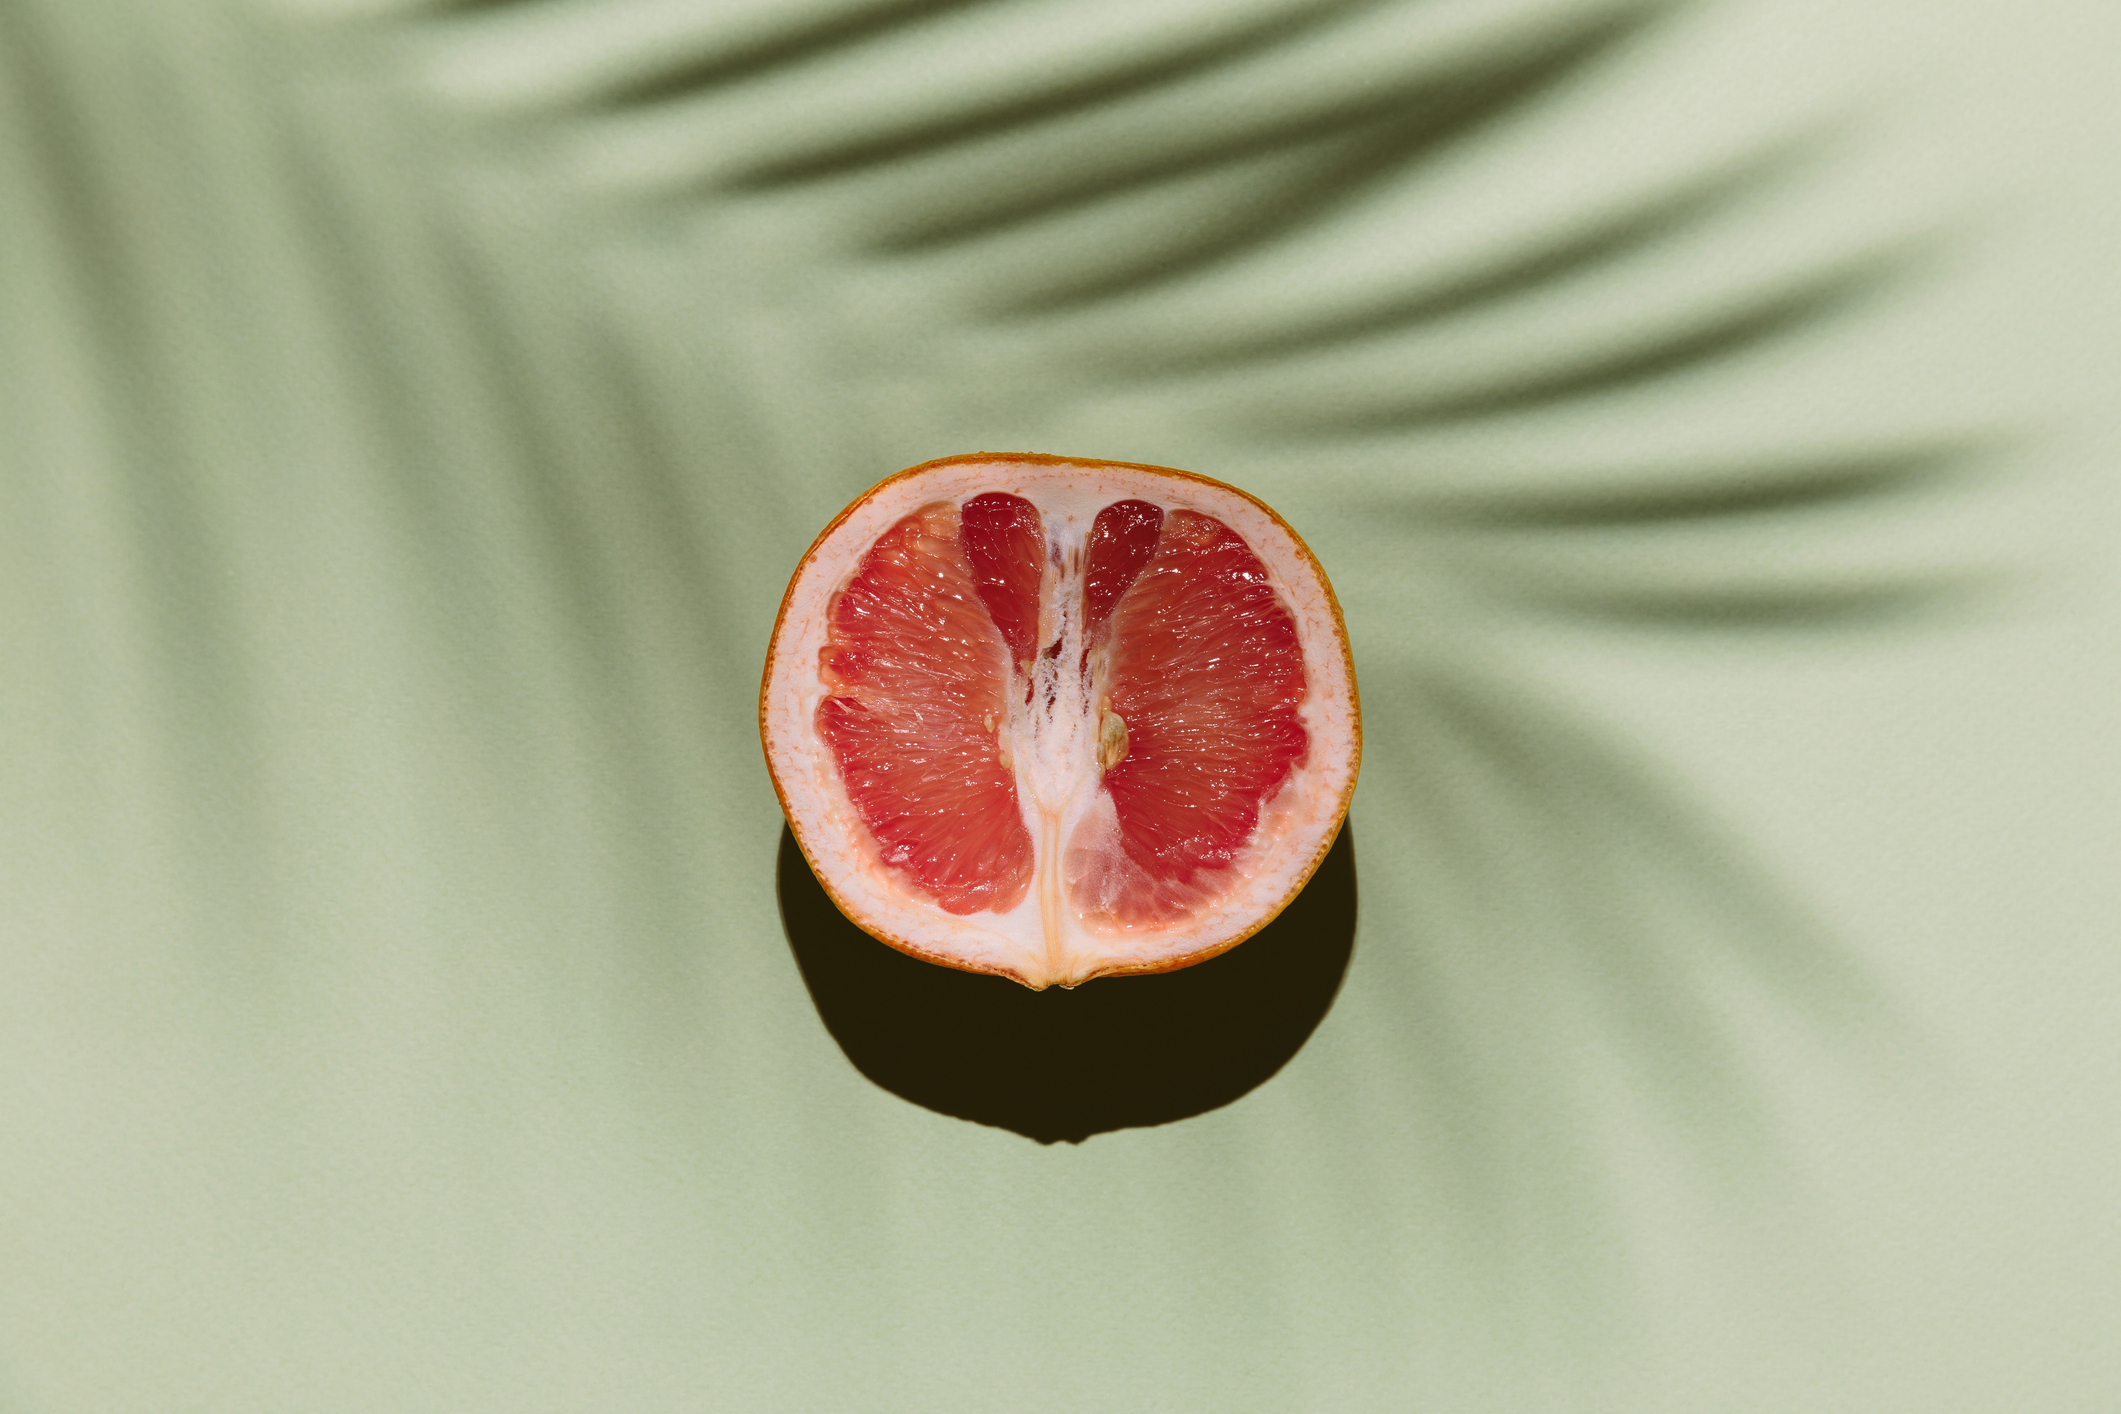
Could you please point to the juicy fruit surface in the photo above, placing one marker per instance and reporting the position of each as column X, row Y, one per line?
column 918, row 669
column 1003, row 540
column 973, row 670
column 1056, row 719
column 1203, row 667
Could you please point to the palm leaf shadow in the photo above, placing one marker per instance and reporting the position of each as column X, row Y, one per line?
column 1690, row 346
column 1553, row 898
column 1045, row 99
column 1564, row 911
column 1592, row 242
column 1521, row 545
column 1350, row 150
column 1497, row 784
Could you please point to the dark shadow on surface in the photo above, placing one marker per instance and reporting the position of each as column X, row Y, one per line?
column 1115, row 1053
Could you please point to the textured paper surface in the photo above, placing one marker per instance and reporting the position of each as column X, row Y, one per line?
column 409, row 416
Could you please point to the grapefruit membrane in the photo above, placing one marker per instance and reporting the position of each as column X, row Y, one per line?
column 1057, row 719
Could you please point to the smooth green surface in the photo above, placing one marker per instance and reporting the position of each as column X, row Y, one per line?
column 409, row 417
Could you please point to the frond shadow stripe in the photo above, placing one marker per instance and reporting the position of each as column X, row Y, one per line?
column 1569, row 816
column 1034, row 104
column 1782, row 943
column 1482, row 84
column 1662, row 216
column 802, row 42
column 1756, row 607
column 197, row 651
column 1780, row 313
column 1372, row 161
column 1713, row 493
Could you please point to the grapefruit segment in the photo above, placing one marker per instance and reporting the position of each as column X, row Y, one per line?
column 918, row 675
column 1202, row 679
column 1006, row 545
column 1058, row 719
column 1122, row 539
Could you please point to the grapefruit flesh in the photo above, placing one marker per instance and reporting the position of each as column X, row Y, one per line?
column 918, row 668
column 1203, row 672
column 1056, row 719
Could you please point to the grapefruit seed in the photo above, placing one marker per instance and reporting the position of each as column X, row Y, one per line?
column 1058, row 719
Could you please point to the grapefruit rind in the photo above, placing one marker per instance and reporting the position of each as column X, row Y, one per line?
column 1031, row 945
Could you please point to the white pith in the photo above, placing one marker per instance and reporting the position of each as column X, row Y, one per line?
column 1052, row 741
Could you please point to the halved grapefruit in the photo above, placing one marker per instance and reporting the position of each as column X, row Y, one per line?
column 1059, row 719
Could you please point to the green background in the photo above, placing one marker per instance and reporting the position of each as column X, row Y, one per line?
column 409, row 416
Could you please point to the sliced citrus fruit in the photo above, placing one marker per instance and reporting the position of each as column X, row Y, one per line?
column 1058, row 719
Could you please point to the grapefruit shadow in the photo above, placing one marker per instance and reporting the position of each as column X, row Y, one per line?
column 1115, row 1053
